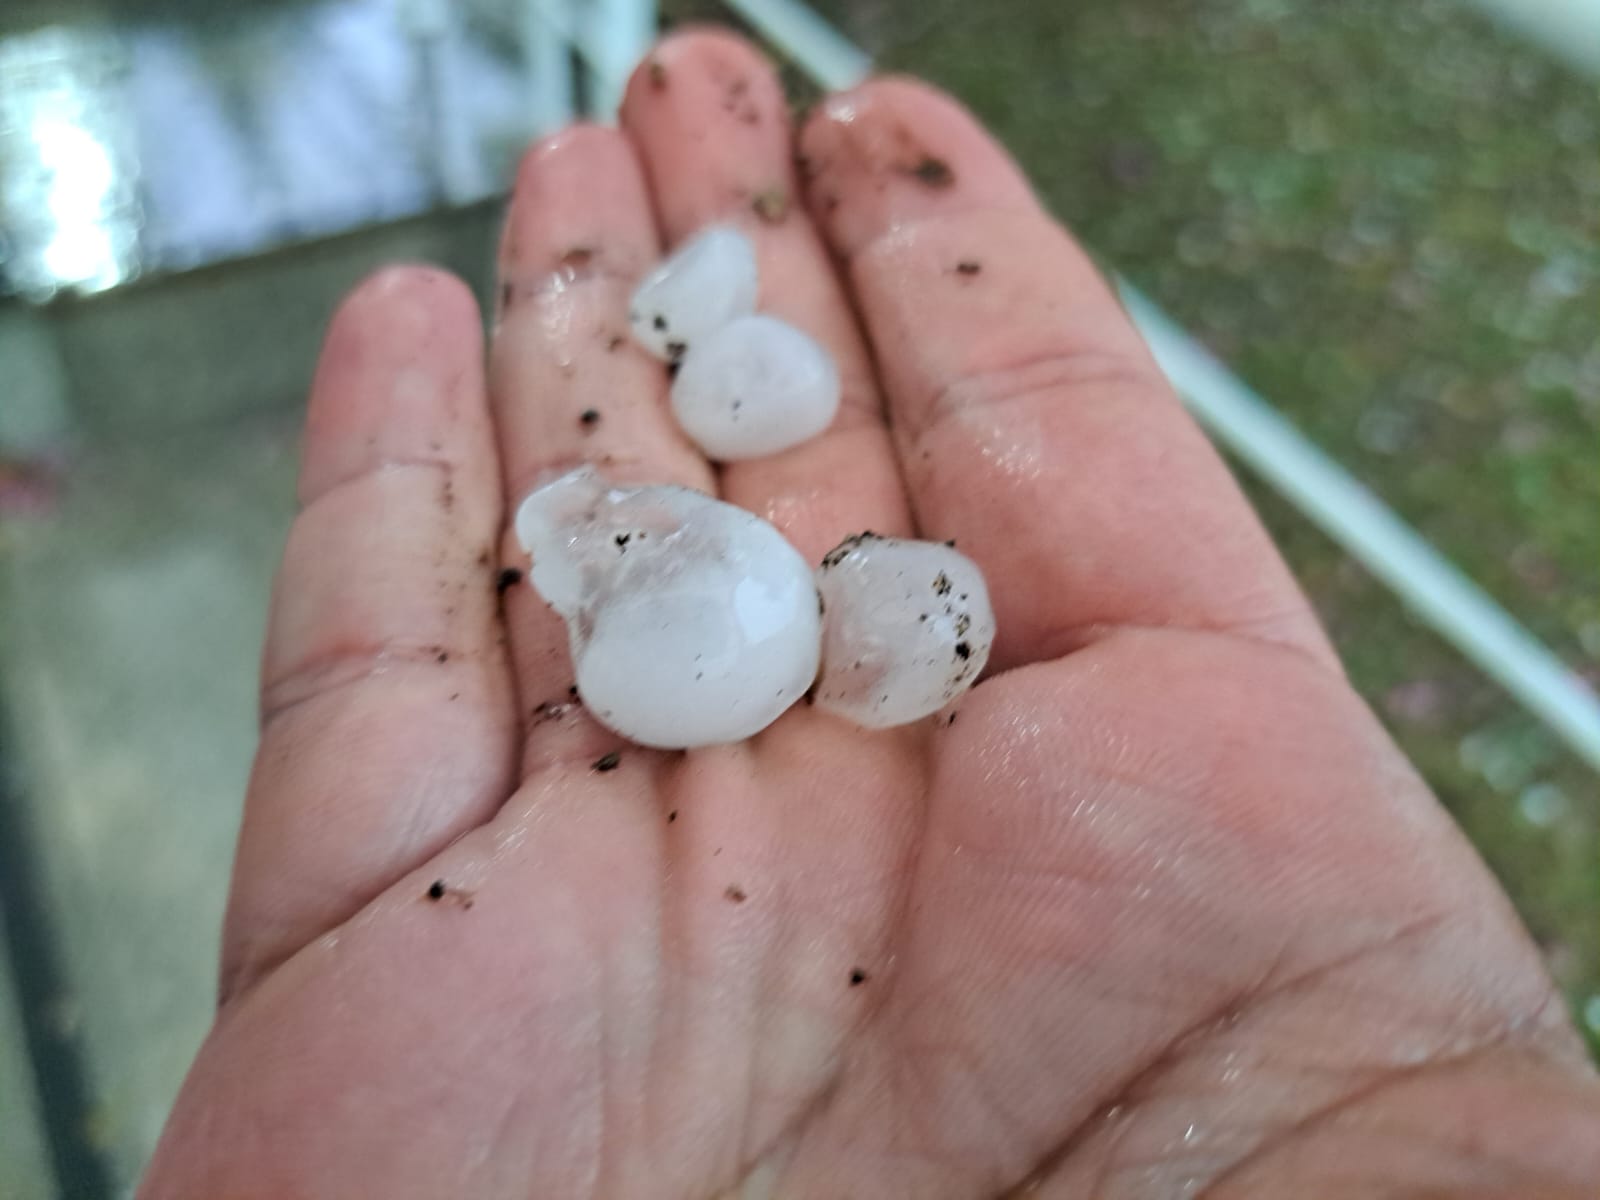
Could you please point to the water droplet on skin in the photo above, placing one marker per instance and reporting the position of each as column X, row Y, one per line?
column 882, row 663
column 704, row 631
column 754, row 387
column 710, row 280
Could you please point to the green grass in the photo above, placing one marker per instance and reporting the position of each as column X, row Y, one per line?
column 1383, row 217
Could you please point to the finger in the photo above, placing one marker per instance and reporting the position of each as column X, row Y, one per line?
column 709, row 118
column 1032, row 424
column 569, row 385
column 387, row 726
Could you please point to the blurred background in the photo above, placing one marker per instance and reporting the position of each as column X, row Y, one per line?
column 1385, row 218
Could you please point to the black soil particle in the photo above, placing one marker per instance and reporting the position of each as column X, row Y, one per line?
column 771, row 205
column 443, row 656
column 857, row 977
column 941, row 584
column 508, row 578
column 672, row 816
column 931, row 172
column 734, row 894
column 608, row 762
column 572, row 690
column 615, row 343
column 675, row 352
column 842, row 551
column 659, row 322
column 963, row 651
column 436, row 890
column 658, row 74
column 589, row 418
column 968, row 266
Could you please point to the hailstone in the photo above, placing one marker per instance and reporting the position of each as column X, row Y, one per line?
column 756, row 386
column 707, row 282
column 908, row 628
column 691, row 622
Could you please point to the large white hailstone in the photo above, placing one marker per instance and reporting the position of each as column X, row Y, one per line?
column 908, row 628
column 756, row 386
column 691, row 622
column 707, row 282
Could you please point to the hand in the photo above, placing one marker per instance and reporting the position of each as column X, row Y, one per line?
column 1161, row 912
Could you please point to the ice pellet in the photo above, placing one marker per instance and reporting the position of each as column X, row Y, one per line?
column 756, row 386
column 908, row 628
column 691, row 622
column 707, row 282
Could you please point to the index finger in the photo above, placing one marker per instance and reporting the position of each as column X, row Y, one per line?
column 1032, row 424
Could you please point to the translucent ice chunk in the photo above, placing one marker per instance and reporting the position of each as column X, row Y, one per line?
column 707, row 282
column 756, row 386
column 691, row 622
column 908, row 628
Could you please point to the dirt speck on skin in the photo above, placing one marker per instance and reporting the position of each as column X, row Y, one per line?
column 442, row 656
column 589, row 418
column 771, row 205
column 576, row 259
column 968, row 266
column 615, row 343
column 734, row 894
column 508, row 295
column 439, row 891
column 857, row 977
column 657, row 71
column 508, row 578
column 931, row 172
column 608, row 762
column 672, row 816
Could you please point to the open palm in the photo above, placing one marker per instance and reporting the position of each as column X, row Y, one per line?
column 1159, row 909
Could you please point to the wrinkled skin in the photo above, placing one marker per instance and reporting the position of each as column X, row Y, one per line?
column 1162, row 913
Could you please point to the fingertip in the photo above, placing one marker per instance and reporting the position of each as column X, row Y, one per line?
column 407, row 301
column 896, row 150
column 400, row 373
column 579, row 195
column 686, row 55
column 711, row 123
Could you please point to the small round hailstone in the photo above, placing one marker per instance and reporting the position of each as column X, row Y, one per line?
column 756, row 386
column 691, row 622
column 907, row 628
column 707, row 282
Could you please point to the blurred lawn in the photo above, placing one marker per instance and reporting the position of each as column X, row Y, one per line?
column 1384, row 217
